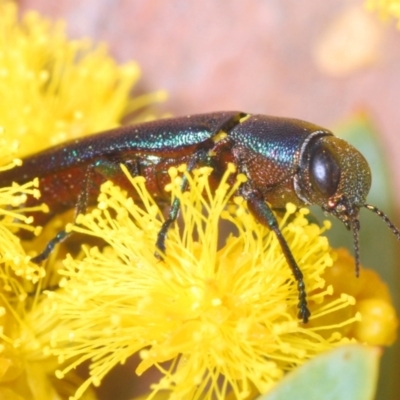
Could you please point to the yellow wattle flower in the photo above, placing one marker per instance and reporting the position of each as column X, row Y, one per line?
column 52, row 90
column 385, row 8
column 223, row 319
column 379, row 323
column 222, row 316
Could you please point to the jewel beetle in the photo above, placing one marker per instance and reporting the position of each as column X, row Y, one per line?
column 284, row 160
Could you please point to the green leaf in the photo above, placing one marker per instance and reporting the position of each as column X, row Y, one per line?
column 346, row 373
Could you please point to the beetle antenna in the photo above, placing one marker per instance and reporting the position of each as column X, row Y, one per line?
column 355, row 228
column 389, row 223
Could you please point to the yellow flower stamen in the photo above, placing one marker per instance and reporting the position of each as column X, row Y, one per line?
column 59, row 89
column 224, row 317
column 216, row 320
column 52, row 90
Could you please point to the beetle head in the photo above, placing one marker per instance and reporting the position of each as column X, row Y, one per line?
column 335, row 176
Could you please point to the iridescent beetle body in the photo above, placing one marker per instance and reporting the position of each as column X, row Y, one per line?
column 284, row 160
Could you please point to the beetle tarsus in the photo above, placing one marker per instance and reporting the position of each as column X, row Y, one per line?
column 304, row 313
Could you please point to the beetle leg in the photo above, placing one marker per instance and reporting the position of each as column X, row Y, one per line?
column 61, row 236
column 172, row 215
column 263, row 213
column 104, row 167
column 80, row 208
column 200, row 157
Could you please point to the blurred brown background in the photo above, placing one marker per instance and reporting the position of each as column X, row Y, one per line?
column 320, row 61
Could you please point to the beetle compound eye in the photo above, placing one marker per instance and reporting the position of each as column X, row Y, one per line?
column 324, row 172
